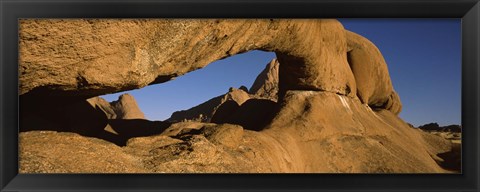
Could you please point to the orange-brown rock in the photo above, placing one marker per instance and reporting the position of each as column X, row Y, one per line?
column 374, row 86
column 126, row 107
column 53, row 152
column 100, row 56
column 204, row 112
column 265, row 85
column 393, row 103
column 336, row 111
column 104, row 105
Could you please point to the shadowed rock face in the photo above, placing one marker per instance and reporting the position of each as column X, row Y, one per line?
column 369, row 69
column 336, row 111
column 64, row 115
column 254, row 114
column 104, row 105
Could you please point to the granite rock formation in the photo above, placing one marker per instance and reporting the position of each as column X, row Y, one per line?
column 91, row 57
column 205, row 111
column 265, row 85
column 125, row 107
column 336, row 110
column 452, row 159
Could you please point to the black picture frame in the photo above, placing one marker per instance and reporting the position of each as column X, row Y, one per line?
column 11, row 11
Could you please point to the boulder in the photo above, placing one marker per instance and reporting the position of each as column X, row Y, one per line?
column 254, row 114
column 104, row 105
column 343, row 135
column 224, row 112
column 126, row 107
column 243, row 88
column 237, row 95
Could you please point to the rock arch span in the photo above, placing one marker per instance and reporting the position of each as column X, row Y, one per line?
column 90, row 57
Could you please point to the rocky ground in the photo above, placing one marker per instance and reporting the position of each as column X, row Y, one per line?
column 196, row 146
column 451, row 160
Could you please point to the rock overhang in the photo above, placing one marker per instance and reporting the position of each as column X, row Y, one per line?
column 91, row 57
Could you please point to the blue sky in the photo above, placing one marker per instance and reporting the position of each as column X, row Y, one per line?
column 423, row 58
column 159, row 101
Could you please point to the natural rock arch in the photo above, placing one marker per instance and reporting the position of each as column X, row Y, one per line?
column 90, row 57
column 330, row 79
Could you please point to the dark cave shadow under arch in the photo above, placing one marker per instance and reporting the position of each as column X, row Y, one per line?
column 79, row 116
